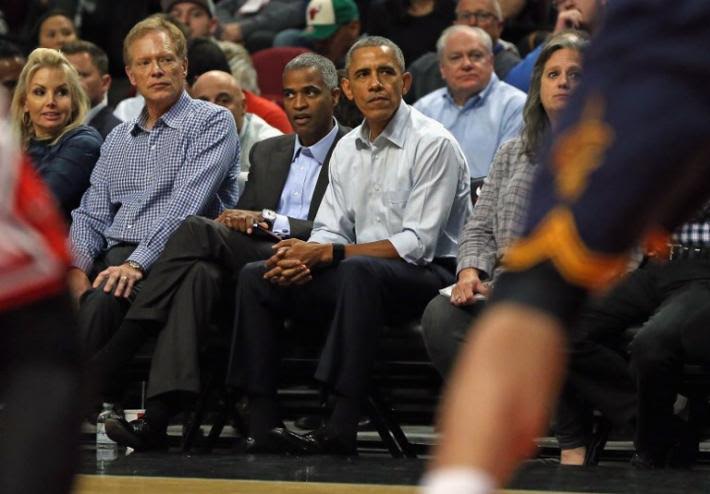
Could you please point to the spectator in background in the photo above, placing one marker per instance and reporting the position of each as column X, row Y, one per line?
column 584, row 15
column 486, row 14
column 498, row 218
column 222, row 89
column 480, row 110
column 332, row 27
column 179, row 158
column 205, row 55
column 48, row 111
column 255, row 24
column 11, row 62
column 54, row 29
column 414, row 25
column 199, row 17
column 91, row 63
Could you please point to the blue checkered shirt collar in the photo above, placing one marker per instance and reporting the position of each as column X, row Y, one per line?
column 174, row 117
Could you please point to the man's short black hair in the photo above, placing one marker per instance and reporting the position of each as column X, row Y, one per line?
column 204, row 55
column 98, row 55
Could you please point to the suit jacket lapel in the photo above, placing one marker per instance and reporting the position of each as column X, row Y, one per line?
column 281, row 164
column 322, row 182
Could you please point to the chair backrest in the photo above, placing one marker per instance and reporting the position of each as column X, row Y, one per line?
column 269, row 65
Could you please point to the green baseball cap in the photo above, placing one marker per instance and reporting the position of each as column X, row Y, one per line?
column 325, row 17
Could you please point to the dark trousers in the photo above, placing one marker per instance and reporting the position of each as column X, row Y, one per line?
column 362, row 294
column 40, row 387
column 184, row 294
column 100, row 314
column 444, row 328
column 670, row 304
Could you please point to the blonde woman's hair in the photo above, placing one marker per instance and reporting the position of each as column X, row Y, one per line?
column 52, row 59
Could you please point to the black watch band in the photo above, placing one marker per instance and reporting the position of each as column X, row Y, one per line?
column 338, row 254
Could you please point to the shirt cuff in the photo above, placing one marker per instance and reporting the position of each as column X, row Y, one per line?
column 83, row 262
column 483, row 264
column 281, row 226
column 409, row 247
column 144, row 256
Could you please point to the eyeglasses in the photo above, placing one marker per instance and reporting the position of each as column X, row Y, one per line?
column 480, row 16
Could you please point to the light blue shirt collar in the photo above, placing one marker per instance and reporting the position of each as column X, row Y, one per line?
column 320, row 149
column 172, row 118
column 477, row 98
column 395, row 130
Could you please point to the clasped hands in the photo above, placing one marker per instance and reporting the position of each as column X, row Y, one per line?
column 293, row 261
column 467, row 286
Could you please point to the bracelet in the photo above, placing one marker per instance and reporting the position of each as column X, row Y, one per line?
column 136, row 266
column 338, row 254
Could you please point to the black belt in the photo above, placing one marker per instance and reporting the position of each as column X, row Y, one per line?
column 680, row 251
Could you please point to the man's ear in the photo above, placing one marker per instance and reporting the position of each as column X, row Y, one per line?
column 335, row 94
column 346, row 88
column 129, row 73
column 407, row 80
column 213, row 25
column 105, row 82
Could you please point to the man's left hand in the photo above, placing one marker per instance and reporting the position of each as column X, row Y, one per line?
column 293, row 261
column 123, row 278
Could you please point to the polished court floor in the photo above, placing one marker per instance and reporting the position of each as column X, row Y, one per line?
column 224, row 471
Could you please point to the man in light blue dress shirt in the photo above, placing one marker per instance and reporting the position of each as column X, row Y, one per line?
column 478, row 109
column 384, row 242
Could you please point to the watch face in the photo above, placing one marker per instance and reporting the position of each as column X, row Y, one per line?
column 269, row 215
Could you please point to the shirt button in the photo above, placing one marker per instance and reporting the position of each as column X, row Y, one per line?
column 131, row 226
column 152, row 146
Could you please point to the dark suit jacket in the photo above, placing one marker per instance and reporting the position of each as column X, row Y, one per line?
column 104, row 121
column 270, row 163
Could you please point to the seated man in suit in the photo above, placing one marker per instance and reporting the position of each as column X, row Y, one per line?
column 91, row 62
column 383, row 242
column 289, row 175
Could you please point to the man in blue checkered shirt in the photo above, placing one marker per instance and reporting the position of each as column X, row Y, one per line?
column 180, row 157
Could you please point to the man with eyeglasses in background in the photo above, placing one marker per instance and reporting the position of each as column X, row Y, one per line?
column 479, row 109
column 485, row 14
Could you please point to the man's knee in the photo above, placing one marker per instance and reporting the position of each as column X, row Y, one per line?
column 649, row 352
column 434, row 327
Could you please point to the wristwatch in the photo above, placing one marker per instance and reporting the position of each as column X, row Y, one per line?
column 269, row 216
column 338, row 254
column 136, row 266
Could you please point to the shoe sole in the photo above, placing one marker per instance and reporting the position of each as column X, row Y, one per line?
column 116, row 431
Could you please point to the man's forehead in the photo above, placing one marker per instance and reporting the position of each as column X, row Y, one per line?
column 373, row 55
column 154, row 40
column 463, row 41
column 470, row 5
column 188, row 5
column 302, row 76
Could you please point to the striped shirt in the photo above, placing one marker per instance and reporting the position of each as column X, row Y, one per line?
column 147, row 181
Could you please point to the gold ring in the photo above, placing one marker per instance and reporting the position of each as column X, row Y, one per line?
column 124, row 278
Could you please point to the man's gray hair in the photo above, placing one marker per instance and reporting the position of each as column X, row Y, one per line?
column 375, row 41
column 482, row 36
column 319, row 62
column 497, row 10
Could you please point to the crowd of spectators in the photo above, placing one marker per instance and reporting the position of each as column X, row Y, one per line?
column 197, row 193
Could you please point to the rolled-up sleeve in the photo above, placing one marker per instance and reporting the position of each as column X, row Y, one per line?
column 436, row 175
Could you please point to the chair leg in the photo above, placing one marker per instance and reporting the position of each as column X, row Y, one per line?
column 380, row 424
column 393, row 426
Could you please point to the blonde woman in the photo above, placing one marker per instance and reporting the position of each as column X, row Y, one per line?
column 48, row 109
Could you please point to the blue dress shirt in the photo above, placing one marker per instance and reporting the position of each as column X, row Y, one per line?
column 302, row 177
column 482, row 124
column 147, row 181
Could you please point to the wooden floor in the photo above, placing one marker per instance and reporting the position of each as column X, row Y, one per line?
column 109, row 484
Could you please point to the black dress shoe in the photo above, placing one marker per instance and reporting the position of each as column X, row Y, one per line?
column 278, row 441
column 597, row 441
column 321, row 442
column 136, row 434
